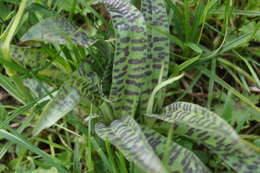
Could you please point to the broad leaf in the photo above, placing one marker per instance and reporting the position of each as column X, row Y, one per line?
column 127, row 136
column 209, row 129
column 65, row 100
column 107, row 77
column 155, row 14
column 57, row 30
column 38, row 89
column 37, row 60
column 179, row 158
column 83, row 83
column 29, row 57
column 130, row 68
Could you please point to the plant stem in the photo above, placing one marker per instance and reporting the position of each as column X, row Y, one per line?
column 107, row 112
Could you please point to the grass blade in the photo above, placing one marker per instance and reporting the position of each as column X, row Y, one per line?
column 229, row 88
column 16, row 138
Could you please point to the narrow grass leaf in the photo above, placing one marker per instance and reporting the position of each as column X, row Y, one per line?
column 239, row 12
column 161, row 85
column 20, row 141
column 8, row 85
column 229, row 88
column 236, row 42
column 194, row 47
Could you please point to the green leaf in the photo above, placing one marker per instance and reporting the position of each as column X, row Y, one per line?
column 130, row 68
column 127, row 136
column 29, row 57
column 41, row 170
column 194, row 47
column 65, row 101
column 82, row 84
column 155, row 15
column 231, row 44
column 180, row 159
column 17, row 139
column 8, row 84
column 209, row 129
column 237, row 112
column 240, row 12
column 163, row 84
column 37, row 88
column 229, row 88
column 251, row 26
column 33, row 58
column 57, row 30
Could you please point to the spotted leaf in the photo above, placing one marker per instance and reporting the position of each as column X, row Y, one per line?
column 127, row 136
column 38, row 89
column 130, row 67
column 28, row 57
column 57, row 30
column 82, row 84
column 155, row 15
column 179, row 158
column 37, row 59
column 65, row 100
column 209, row 129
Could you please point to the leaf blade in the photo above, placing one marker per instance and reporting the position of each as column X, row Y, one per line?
column 17, row 139
column 82, row 84
column 178, row 155
column 127, row 136
column 208, row 128
column 130, row 68
column 58, row 30
column 155, row 15
column 65, row 100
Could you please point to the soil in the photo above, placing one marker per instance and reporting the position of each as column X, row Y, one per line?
column 6, row 99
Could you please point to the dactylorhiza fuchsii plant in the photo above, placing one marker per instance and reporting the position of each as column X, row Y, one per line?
column 138, row 72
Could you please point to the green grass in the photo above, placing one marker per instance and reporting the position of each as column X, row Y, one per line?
column 215, row 44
